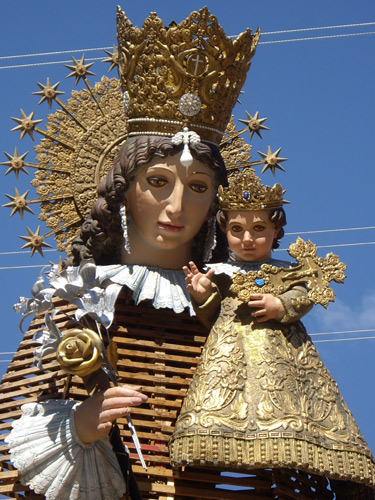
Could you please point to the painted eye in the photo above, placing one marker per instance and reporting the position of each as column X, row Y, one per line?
column 236, row 229
column 199, row 188
column 259, row 228
column 156, row 181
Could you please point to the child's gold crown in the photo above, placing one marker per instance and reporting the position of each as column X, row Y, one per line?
column 185, row 75
column 246, row 192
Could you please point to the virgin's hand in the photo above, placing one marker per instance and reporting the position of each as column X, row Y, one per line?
column 197, row 283
column 93, row 418
column 266, row 307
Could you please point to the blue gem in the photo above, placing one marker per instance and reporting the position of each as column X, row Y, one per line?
column 246, row 195
column 259, row 282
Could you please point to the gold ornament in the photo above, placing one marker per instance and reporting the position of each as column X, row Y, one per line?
column 34, row 241
column 79, row 69
column 26, row 124
column 255, row 124
column 82, row 138
column 313, row 271
column 246, row 192
column 48, row 92
column 234, row 151
column 18, row 203
column 186, row 75
column 78, row 148
column 80, row 352
column 16, row 163
column 272, row 160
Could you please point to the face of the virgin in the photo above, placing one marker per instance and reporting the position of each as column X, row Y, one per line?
column 250, row 235
column 168, row 203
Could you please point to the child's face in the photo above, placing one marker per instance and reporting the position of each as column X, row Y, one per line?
column 250, row 235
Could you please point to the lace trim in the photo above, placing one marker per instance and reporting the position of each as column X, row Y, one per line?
column 166, row 288
column 51, row 459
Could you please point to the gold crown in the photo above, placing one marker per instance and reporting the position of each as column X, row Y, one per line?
column 185, row 75
column 245, row 191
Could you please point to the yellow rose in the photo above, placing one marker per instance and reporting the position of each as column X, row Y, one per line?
column 80, row 352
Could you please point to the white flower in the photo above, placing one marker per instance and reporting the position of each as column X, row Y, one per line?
column 98, row 303
column 49, row 338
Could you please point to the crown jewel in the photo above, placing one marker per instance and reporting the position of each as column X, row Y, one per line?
column 185, row 75
column 245, row 191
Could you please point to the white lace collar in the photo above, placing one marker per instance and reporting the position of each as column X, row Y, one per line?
column 164, row 287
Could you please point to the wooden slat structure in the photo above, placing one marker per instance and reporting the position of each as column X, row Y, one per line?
column 158, row 350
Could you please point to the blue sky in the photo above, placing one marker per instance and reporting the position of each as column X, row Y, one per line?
column 319, row 99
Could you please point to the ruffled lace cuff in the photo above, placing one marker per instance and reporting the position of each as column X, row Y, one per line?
column 53, row 461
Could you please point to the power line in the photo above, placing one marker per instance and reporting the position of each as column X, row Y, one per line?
column 14, row 66
column 21, row 267
column 339, row 332
column 331, row 230
column 315, row 342
column 333, row 245
column 278, row 32
column 47, row 63
column 343, row 340
column 41, row 54
column 23, row 252
column 315, row 38
column 339, row 26
column 296, row 233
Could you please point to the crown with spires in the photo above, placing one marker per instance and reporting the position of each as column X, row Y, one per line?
column 245, row 191
column 184, row 76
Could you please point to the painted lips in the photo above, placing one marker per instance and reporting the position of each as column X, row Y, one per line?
column 173, row 228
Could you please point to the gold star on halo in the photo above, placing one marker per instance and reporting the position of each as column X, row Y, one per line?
column 80, row 69
column 34, row 241
column 15, row 163
column 113, row 59
column 271, row 160
column 254, row 124
column 26, row 124
column 18, row 203
column 48, row 92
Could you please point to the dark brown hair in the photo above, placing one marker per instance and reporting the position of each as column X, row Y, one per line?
column 101, row 236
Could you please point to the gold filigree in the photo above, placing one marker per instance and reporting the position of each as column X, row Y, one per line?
column 287, row 402
column 316, row 272
column 235, row 153
column 298, row 393
column 79, row 146
column 245, row 191
column 193, row 60
column 215, row 396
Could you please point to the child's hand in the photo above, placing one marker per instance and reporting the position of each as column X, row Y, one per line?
column 93, row 418
column 266, row 306
column 198, row 284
